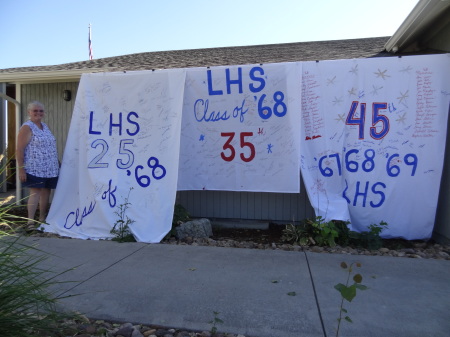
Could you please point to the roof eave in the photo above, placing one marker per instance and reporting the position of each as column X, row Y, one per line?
column 45, row 76
column 418, row 20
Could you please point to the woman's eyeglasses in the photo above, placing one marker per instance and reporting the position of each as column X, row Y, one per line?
column 36, row 110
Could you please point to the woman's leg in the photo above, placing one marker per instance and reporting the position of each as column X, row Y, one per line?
column 33, row 201
column 43, row 203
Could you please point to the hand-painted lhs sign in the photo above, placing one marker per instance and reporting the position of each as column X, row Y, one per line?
column 240, row 129
column 122, row 152
column 368, row 135
column 373, row 135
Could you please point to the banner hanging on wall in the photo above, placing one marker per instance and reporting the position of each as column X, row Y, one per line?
column 120, row 164
column 240, row 129
column 373, row 135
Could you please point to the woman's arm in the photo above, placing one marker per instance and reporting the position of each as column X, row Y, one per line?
column 23, row 138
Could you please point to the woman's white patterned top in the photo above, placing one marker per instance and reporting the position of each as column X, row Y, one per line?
column 41, row 155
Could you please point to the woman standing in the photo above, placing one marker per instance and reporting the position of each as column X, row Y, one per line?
column 37, row 161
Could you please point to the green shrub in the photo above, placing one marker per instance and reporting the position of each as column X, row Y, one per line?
column 324, row 233
column 295, row 234
column 369, row 239
column 27, row 305
column 121, row 228
column 316, row 232
column 180, row 215
column 343, row 238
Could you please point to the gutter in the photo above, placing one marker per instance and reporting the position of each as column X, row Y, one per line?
column 423, row 14
column 46, row 76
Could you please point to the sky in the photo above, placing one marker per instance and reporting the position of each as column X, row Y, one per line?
column 51, row 32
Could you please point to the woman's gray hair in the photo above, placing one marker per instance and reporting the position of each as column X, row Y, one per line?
column 31, row 105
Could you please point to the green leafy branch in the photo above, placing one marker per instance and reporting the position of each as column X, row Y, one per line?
column 214, row 323
column 348, row 292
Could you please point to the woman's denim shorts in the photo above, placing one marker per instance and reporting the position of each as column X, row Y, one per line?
column 38, row 182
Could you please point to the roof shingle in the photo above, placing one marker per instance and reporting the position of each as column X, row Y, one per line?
column 271, row 53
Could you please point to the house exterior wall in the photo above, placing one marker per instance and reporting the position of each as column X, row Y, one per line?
column 273, row 207
column 442, row 40
column 58, row 112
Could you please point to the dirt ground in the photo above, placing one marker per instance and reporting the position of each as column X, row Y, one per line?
column 270, row 235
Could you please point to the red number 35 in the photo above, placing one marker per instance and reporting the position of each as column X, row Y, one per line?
column 228, row 146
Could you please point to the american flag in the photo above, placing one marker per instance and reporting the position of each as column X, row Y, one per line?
column 91, row 54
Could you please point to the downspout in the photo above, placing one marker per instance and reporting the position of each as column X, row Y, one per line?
column 17, row 115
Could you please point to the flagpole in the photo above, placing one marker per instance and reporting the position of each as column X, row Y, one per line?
column 91, row 54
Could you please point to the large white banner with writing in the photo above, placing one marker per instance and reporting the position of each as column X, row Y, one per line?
column 240, row 128
column 121, row 156
column 373, row 137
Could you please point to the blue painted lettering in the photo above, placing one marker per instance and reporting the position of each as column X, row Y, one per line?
column 110, row 194
column 92, row 132
column 363, row 194
column 344, row 194
column 117, row 125
column 201, row 112
column 257, row 79
column 211, row 91
column 136, row 124
column 229, row 81
column 239, row 111
column 382, row 195
column 74, row 218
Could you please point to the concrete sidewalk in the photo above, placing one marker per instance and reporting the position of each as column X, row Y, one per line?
column 182, row 287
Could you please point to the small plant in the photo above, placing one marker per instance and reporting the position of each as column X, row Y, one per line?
column 180, row 215
column 121, row 228
column 324, row 233
column 343, row 238
column 295, row 234
column 214, row 323
column 314, row 232
column 370, row 239
column 348, row 292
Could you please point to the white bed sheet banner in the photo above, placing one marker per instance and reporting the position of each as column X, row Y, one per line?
column 373, row 139
column 122, row 153
column 240, row 129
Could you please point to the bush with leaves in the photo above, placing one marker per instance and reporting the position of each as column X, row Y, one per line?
column 316, row 232
column 180, row 215
column 27, row 306
column 370, row 239
column 321, row 233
